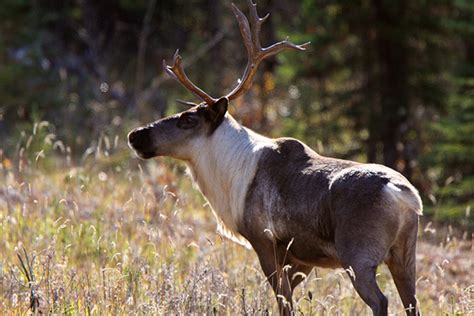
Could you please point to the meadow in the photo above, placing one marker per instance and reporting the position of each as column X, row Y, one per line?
column 111, row 234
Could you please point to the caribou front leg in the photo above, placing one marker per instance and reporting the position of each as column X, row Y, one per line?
column 282, row 274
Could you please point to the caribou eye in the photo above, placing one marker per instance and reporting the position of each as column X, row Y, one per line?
column 187, row 121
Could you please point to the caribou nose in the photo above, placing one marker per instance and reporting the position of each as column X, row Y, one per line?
column 132, row 136
column 140, row 139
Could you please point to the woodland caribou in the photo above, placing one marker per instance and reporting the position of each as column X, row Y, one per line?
column 296, row 208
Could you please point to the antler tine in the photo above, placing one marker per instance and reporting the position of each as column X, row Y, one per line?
column 256, row 53
column 177, row 72
column 278, row 47
column 256, row 22
column 187, row 103
column 245, row 31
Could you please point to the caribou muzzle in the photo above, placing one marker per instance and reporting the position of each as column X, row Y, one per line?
column 140, row 140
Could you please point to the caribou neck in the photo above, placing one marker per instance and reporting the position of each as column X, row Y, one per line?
column 223, row 166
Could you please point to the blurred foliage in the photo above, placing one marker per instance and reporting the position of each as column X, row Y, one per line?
column 383, row 81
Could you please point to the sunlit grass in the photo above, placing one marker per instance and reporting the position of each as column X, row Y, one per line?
column 117, row 235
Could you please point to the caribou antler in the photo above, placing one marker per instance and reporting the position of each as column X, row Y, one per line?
column 256, row 53
column 177, row 72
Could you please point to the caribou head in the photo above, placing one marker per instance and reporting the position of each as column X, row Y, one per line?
column 177, row 135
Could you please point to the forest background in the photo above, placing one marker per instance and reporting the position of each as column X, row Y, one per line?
column 390, row 82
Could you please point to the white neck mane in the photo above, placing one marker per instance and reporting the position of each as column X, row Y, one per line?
column 223, row 166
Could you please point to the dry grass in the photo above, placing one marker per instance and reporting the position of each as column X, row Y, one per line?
column 109, row 237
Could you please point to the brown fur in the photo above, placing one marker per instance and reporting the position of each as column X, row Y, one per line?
column 334, row 213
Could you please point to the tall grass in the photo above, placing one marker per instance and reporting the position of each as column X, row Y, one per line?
column 114, row 235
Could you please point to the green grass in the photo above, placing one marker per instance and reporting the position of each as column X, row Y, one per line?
column 114, row 235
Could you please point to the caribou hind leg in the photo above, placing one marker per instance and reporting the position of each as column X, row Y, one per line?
column 360, row 255
column 362, row 275
column 402, row 265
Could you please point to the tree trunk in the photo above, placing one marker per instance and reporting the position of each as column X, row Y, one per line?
column 393, row 77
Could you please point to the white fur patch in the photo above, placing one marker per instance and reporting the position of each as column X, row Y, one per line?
column 393, row 187
column 409, row 199
column 223, row 166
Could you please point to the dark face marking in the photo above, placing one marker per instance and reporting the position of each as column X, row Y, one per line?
column 187, row 120
column 172, row 135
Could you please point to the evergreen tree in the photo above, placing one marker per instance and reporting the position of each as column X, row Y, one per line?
column 379, row 65
column 450, row 161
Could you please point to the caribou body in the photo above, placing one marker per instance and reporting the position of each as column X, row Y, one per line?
column 295, row 208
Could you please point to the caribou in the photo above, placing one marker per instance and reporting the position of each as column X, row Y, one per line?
column 297, row 209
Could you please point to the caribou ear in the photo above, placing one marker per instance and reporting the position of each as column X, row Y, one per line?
column 220, row 107
column 217, row 112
